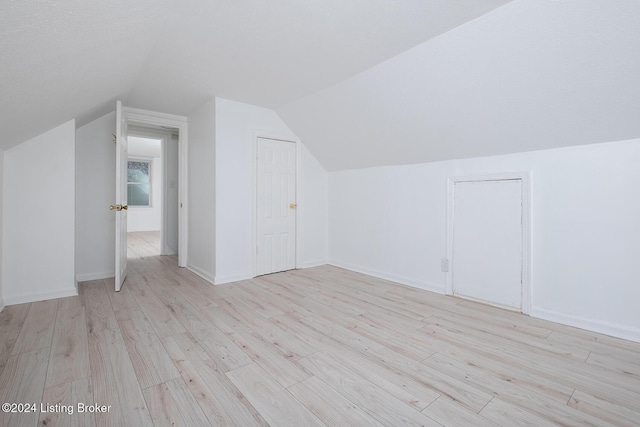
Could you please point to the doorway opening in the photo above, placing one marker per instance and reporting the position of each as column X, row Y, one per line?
column 149, row 122
column 152, row 192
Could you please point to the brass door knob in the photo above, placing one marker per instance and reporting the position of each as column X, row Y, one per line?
column 293, row 205
column 118, row 207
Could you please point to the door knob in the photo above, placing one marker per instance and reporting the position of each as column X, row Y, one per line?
column 118, row 207
column 293, row 205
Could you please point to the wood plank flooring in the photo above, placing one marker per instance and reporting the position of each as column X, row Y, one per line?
column 321, row 346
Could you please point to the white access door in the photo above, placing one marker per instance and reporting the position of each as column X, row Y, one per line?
column 275, row 206
column 121, row 207
column 487, row 241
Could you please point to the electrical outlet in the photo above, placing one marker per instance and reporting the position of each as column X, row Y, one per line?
column 444, row 265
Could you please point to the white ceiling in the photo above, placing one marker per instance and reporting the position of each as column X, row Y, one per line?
column 361, row 82
column 531, row 75
column 64, row 59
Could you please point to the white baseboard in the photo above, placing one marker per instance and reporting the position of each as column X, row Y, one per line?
column 41, row 296
column 420, row 284
column 602, row 327
column 94, row 276
column 309, row 264
column 229, row 279
column 199, row 272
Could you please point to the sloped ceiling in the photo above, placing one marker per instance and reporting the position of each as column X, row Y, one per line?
column 530, row 75
column 64, row 59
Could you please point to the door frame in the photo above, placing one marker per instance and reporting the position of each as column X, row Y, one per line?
column 254, row 193
column 142, row 118
column 525, row 180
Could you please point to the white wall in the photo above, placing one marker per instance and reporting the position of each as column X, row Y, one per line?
column 1, row 222
column 95, row 191
column 313, row 211
column 237, row 125
column 147, row 218
column 201, row 243
column 39, row 219
column 172, row 182
column 391, row 222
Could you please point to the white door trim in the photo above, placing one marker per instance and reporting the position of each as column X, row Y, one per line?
column 143, row 117
column 525, row 179
column 254, row 191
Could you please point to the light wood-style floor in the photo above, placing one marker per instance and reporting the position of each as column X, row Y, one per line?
column 321, row 346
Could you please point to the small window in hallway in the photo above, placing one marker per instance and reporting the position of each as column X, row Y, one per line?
column 139, row 183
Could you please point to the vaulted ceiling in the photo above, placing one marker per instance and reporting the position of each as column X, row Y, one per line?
column 64, row 59
column 361, row 82
column 531, row 75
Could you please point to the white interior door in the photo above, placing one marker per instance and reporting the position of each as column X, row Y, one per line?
column 487, row 241
column 121, row 207
column 276, row 206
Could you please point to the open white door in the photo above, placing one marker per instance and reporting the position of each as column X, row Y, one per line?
column 121, row 196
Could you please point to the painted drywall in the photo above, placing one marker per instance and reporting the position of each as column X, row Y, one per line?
column 147, row 218
column 391, row 222
column 313, row 212
column 237, row 126
column 38, row 217
column 527, row 76
column 95, row 191
column 171, row 193
column 201, row 242
column 1, row 221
